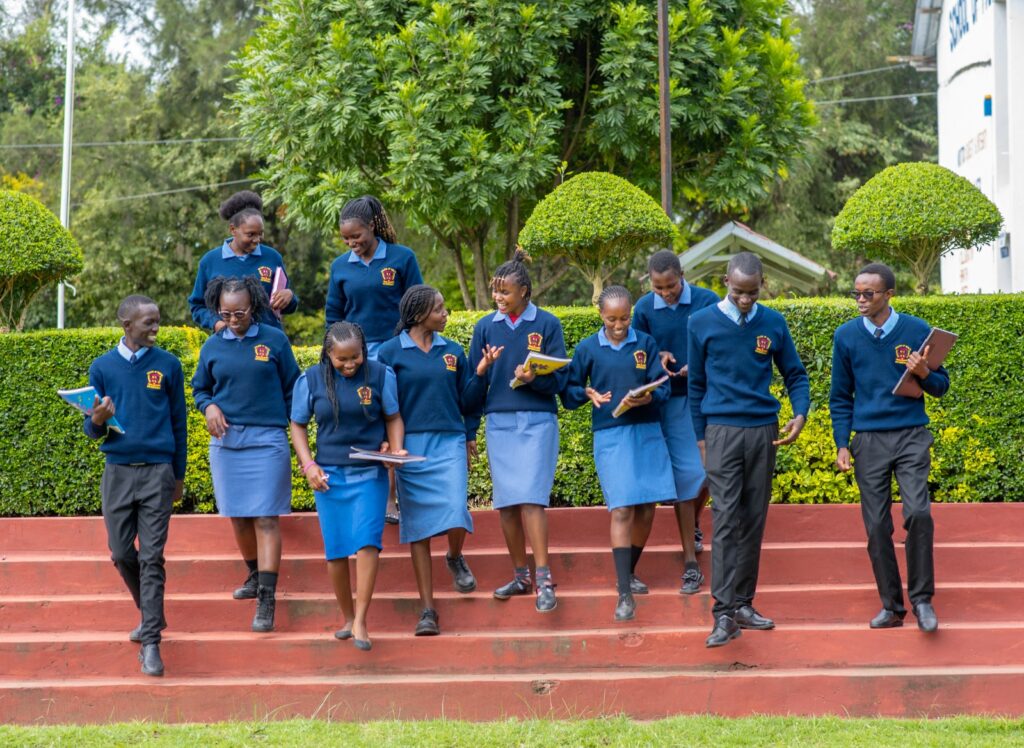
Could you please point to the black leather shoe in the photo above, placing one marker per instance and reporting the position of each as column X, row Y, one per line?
column 725, row 630
column 518, row 586
column 149, row 656
column 692, row 580
column 748, row 618
column 927, row 621
column 637, row 587
column 625, row 609
column 461, row 575
column 263, row 621
column 135, row 635
column 698, row 541
column 428, row 625
column 248, row 590
column 886, row 619
column 546, row 601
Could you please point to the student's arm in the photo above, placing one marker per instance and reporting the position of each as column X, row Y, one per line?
column 655, row 371
column 202, row 394
column 696, row 383
column 95, row 425
column 797, row 385
column 935, row 383
column 394, row 426
column 334, row 310
column 840, row 402
column 472, row 391
column 301, row 414
column 413, row 276
column 552, row 384
column 292, row 305
column 476, row 357
column 288, row 371
column 179, row 426
column 575, row 392
column 197, row 303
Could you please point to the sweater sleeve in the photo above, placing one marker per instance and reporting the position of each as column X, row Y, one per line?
column 289, row 371
column 179, row 422
column 575, row 392
column 936, row 384
column 294, row 303
column 553, row 384
column 197, row 303
column 413, row 276
column 334, row 310
column 840, row 398
column 202, row 383
column 472, row 391
column 654, row 371
column 696, row 382
column 640, row 321
column 473, row 409
column 91, row 429
column 794, row 375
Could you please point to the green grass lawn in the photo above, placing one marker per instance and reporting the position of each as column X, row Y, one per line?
column 683, row 731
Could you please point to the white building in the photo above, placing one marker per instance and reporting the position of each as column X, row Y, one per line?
column 976, row 48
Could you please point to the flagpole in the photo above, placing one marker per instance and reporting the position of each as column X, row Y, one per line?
column 65, row 172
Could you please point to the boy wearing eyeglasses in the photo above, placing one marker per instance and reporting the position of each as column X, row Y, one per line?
column 869, row 356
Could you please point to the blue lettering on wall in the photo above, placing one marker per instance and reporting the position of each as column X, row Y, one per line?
column 960, row 21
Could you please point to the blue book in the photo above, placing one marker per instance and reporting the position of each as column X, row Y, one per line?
column 83, row 399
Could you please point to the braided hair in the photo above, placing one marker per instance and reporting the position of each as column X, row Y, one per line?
column 240, row 206
column 368, row 210
column 515, row 270
column 611, row 293
column 259, row 303
column 339, row 332
column 415, row 306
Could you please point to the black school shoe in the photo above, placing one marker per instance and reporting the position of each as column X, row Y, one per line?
column 462, row 577
column 927, row 621
column 263, row 621
column 248, row 590
column 725, row 630
column 692, row 580
column 886, row 619
column 135, row 635
column 698, row 540
column 748, row 618
column 625, row 608
column 516, row 587
column 149, row 656
column 428, row 625
column 637, row 587
column 546, row 601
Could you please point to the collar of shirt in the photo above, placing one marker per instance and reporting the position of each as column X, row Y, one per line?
column 226, row 253
column 603, row 339
column 887, row 326
column 529, row 314
column 252, row 332
column 685, row 298
column 733, row 312
column 378, row 254
column 406, row 341
column 127, row 353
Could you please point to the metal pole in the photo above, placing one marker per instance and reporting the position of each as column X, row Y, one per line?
column 65, row 172
column 664, row 109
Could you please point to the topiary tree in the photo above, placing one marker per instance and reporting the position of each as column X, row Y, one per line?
column 35, row 250
column 912, row 214
column 596, row 221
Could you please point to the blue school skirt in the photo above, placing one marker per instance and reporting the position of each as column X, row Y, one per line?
column 251, row 469
column 351, row 510
column 432, row 493
column 522, row 449
column 677, row 426
column 633, row 465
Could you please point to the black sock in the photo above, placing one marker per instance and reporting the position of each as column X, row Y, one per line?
column 252, row 564
column 691, row 565
column 268, row 580
column 622, row 575
column 634, row 556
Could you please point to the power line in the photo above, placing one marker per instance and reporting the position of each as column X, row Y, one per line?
column 877, row 98
column 857, row 73
column 109, row 143
column 145, row 195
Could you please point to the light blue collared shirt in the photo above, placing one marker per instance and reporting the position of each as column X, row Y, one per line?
column 406, row 341
column 603, row 339
column 252, row 332
column 685, row 298
column 226, row 253
column 378, row 254
column 733, row 312
column 127, row 353
column 529, row 314
column 887, row 326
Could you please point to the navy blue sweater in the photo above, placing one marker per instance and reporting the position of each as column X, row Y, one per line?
column 213, row 264
column 730, row 371
column 249, row 379
column 668, row 327
column 149, row 402
column 543, row 334
column 360, row 422
column 864, row 371
column 369, row 294
column 437, row 391
column 616, row 371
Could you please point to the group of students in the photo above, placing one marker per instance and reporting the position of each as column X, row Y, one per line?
column 387, row 380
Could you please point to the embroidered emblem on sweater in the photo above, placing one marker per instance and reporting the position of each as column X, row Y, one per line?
column 641, row 359
column 266, row 274
column 262, row 352
column 387, row 276
column 533, row 341
column 365, row 395
column 451, row 362
column 762, row 345
column 154, row 379
column 902, row 354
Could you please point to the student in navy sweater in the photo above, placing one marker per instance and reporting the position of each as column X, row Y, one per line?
column 869, row 356
column 732, row 347
column 436, row 389
column 630, row 454
column 664, row 313
column 355, row 403
column 145, row 466
column 242, row 254
column 522, row 423
column 243, row 385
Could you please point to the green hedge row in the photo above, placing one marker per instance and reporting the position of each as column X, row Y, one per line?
column 48, row 466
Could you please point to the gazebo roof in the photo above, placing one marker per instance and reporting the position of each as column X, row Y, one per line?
column 713, row 253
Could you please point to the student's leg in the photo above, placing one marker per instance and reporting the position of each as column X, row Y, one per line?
column 872, row 469
column 337, row 570
column 456, row 541
column 759, row 468
column 155, row 492
column 535, row 522
column 391, row 513
column 621, row 534
column 268, row 543
column 244, row 529
column 367, row 562
column 911, row 466
column 120, row 518
column 686, row 521
column 512, row 529
column 420, row 551
column 723, row 448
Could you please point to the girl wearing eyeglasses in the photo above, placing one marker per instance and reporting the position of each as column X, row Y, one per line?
column 243, row 385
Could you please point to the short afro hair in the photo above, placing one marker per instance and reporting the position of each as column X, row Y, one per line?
column 883, row 271
column 664, row 260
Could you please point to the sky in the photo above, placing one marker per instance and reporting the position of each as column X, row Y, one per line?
column 120, row 44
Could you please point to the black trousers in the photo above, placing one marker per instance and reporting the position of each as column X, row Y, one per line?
column 137, row 502
column 740, row 463
column 878, row 456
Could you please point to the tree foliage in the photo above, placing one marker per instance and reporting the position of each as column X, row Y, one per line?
column 597, row 221
column 912, row 214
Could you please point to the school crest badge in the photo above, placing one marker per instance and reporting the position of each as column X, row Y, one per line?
column 902, row 354
column 451, row 362
column 387, row 276
column 533, row 341
column 365, row 395
column 262, row 352
column 641, row 359
column 762, row 345
column 154, row 380
column 266, row 274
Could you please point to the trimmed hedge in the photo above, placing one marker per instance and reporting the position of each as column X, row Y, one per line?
column 48, row 466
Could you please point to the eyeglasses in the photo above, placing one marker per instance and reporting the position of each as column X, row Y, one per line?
column 868, row 295
column 234, row 315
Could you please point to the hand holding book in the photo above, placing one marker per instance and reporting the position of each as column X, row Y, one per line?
column 638, row 396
